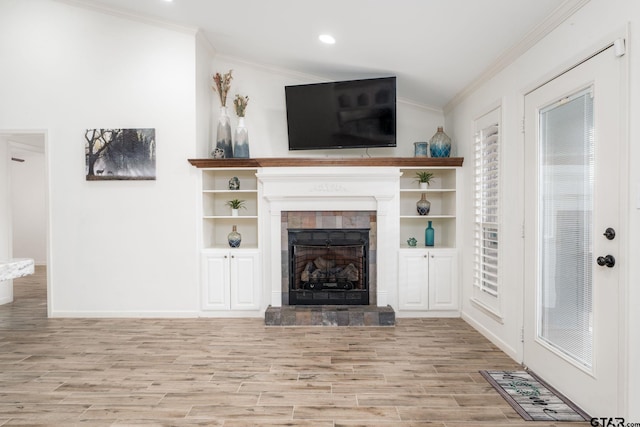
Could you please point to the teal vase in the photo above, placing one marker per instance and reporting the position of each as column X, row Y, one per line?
column 440, row 144
column 429, row 235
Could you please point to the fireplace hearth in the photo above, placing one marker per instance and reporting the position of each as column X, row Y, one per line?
column 328, row 266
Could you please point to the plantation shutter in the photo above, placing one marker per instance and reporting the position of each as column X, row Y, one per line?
column 487, row 206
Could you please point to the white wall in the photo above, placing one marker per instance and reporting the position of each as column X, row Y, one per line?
column 28, row 205
column 266, row 117
column 598, row 21
column 117, row 247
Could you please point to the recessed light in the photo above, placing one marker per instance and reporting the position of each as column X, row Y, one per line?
column 327, row 38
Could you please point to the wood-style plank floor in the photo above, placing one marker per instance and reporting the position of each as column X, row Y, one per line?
column 237, row 372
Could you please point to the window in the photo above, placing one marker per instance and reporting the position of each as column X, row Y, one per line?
column 487, row 210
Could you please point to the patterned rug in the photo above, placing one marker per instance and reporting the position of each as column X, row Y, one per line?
column 532, row 398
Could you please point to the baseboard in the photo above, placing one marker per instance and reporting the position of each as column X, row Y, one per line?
column 510, row 351
column 126, row 314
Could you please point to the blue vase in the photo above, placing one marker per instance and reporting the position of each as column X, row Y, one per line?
column 234, row 238
column 429, row 235
column 423, row 206
column 440, row 144
column 241, row 142
column 420, row 149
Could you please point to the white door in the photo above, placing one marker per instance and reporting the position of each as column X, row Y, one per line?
column 572, row 155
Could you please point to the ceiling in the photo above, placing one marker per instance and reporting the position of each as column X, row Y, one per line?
column 436, row 48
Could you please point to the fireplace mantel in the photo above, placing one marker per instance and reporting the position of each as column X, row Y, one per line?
column 327, row 161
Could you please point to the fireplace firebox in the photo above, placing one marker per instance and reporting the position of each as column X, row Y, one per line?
column 329, row 266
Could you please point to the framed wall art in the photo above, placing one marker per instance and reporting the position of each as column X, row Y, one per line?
column 120, row 154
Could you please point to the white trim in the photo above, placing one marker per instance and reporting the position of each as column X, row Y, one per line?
column 502, row 345
column 489, row 311
column 131, row 16
column 128, row 314
column 557, row 17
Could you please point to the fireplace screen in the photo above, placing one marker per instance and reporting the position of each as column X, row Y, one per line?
column 328, row 266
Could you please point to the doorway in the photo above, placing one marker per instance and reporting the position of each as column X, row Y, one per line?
column 25, row 213
column 572, row 214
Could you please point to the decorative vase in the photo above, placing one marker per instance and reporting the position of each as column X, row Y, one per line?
column 234, row 183
column 424, row 185
column 440, row 144
column 234, row 212
column 420, row 149
column 423, row 205
column 223, row 148
column 429, row 235
column 412, row 241
column 241, row 143
column 234, row 238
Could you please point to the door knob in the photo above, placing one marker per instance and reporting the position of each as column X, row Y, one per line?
column 608, row 261
column 609, row 233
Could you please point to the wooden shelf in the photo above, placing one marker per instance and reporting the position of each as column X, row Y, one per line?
column 327, row 161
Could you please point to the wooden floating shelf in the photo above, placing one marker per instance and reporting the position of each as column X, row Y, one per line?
column 266, row 162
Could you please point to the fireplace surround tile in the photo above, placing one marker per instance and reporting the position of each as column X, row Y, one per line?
column 328, row 219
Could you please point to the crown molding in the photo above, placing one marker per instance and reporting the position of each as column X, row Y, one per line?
column 202, row 39
column 557, row 17
column 132, row 16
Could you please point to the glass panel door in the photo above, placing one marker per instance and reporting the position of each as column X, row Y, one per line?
column 566, row 173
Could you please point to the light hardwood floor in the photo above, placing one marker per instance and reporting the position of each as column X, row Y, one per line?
column 237, row 372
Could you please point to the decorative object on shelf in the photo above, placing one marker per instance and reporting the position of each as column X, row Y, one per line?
column 421, row 149
column 223, row 131
column 235, row 205
column 241, row 142
column 429, row 235
column 412, row 241
column 234, row 183
column 440, row 144
column 234, row 238
column 423, row 206
column 424, row 178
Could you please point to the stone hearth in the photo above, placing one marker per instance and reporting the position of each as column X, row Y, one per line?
column 330, row 315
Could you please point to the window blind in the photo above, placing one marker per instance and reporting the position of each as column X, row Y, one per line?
column 487, row 209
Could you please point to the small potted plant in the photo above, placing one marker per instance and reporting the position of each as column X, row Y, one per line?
column 424, row 178
column 235, row 205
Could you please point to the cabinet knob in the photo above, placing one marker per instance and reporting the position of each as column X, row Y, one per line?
column 425, row 255
column 233, row 256
column 225, row 257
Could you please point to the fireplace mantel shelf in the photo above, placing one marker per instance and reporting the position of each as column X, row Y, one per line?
column 327, row 161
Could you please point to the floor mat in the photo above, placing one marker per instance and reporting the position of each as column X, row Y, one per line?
column 532, row 398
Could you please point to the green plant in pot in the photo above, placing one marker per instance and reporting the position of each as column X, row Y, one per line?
column 235, row 204
column 424, row 178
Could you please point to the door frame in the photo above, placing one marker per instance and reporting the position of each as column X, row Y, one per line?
column 8, row 133
column 625, row 200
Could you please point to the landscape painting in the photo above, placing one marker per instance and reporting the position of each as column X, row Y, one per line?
column 120, row 154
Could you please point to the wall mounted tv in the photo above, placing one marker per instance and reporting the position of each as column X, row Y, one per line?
column 344, row 114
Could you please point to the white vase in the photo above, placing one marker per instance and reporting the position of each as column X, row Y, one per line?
column 234, row 212
column 424, row 185
column 223, row 148
column 241, row 142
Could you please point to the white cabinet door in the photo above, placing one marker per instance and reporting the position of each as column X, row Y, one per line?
column 413, row 280
column 245, row 289
column 215, row 281
column 231, row 280
column 443, row 280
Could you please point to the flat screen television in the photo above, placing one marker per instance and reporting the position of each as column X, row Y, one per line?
column 344, row 114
